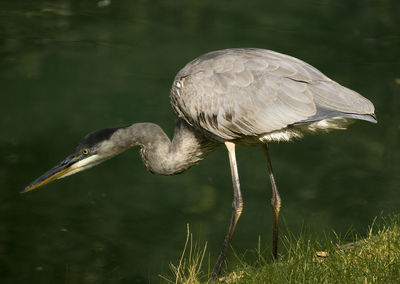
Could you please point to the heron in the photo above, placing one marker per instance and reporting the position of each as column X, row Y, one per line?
column 231, row 97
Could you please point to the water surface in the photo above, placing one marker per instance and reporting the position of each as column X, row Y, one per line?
column 71, row 67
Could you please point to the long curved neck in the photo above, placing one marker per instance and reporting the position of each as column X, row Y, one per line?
column 159, row 154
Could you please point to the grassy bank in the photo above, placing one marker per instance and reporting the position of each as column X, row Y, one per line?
column 374, row 258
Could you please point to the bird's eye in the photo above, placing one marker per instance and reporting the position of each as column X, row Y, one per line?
column 85, row 151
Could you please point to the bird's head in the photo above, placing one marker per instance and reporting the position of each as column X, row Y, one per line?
column 92, row 150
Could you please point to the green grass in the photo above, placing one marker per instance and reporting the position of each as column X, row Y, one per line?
column 374, row 258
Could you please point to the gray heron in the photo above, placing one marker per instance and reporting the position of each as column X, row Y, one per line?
column 241, row 96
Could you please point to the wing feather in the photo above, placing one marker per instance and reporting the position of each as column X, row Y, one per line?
column 249, row 92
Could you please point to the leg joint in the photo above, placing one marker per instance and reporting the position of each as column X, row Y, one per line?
column 276, row 202
column 237, row 206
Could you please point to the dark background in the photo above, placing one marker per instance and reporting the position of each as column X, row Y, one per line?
column 68, row 68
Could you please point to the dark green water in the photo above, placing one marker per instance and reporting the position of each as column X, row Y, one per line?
column 71, row 67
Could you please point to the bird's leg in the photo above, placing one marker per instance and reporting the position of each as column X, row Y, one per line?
column 275, row 203
column 237, row 206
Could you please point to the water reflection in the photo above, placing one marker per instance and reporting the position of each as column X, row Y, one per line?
column 71, row 67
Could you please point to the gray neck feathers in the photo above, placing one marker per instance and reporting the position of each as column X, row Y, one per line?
column 159, row 154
